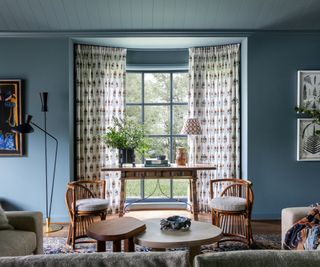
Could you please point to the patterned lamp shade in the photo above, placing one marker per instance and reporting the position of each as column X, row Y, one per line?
column 191, row 127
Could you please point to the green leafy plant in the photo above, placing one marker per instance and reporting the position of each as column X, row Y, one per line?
column 312, row 113
column 126, row 134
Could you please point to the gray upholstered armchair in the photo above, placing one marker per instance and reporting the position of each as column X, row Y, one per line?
column 26, row 237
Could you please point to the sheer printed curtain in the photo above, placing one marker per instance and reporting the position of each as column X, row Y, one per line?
column 100, row 97
column 214, row 99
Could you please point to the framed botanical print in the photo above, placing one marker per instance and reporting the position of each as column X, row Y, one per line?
column 309, row 89
column 308, row 140
column 10, row 116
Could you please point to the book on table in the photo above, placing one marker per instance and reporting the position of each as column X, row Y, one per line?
column 156, row 163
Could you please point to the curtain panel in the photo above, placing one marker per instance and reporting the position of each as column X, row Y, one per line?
column 100, row 97
column 214, row 99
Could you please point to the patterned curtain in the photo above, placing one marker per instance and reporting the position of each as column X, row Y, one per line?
column 100, row 96
column 214, row 100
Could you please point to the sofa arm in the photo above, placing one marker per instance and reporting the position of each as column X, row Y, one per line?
column 289, row 216
column 28, row 221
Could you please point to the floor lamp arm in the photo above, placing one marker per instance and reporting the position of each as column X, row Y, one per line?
column 54, row 164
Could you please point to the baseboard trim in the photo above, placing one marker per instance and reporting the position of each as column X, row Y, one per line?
column 157, row 206
column 58, row 219
column 266, row 216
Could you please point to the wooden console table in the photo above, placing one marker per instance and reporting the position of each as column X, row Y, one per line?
column 173, row 172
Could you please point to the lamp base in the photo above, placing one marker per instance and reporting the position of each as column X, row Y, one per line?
column 50, row 228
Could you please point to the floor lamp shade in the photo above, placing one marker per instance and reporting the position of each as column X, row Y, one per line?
column 24, row 127
column 192, row 128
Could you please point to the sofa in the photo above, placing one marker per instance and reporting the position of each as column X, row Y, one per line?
column 259, row 258
column 26, row 237
column 289, row 216
column 248, row 258
column 117, row 259
column 265, row 258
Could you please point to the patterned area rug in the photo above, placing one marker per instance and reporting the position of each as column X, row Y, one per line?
column 57, row 245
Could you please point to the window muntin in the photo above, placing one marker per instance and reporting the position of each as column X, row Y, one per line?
column 159, row 101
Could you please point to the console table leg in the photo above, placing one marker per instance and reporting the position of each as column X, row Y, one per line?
column 122, row 196
column 129, row 245
column 117, row 246
column 194, row 196
column 101, row 246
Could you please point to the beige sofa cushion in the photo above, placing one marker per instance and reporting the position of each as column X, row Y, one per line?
column 150, row 259
column 260, row 258
column 4, row 220
column 17, row 243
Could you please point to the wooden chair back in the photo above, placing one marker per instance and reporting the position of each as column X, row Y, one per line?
column 83, row 190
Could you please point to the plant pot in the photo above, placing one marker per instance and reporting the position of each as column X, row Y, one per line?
column 127, row 156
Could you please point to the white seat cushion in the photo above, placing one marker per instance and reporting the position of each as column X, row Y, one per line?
column 91, row 204
column 228, row 203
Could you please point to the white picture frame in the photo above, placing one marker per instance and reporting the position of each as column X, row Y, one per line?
column 309, row 89
column 308, row 144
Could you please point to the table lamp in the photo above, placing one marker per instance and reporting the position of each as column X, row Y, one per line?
column 27, row 128
column 192, row 128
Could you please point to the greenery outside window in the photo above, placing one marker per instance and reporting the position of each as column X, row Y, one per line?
column 159, row 101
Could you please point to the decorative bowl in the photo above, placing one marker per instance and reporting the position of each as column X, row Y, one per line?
column 175, row 223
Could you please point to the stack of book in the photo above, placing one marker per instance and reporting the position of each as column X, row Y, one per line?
column 156, row 163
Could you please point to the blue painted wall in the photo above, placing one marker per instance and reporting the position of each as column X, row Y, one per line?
column 273, row 60
column 279, row 180
column 43, row 64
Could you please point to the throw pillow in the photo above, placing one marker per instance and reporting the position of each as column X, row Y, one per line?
column 4, row 225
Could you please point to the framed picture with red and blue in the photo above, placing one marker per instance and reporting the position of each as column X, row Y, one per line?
column 11, row 144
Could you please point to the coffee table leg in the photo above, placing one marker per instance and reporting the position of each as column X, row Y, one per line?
column 194, row 196
column 101, row 246
column 117, row 246
column 129, row 245
column 193, row 251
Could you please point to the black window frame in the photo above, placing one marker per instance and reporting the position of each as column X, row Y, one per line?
column 171, row 136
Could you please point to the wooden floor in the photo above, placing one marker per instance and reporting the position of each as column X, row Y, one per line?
column 258, row 226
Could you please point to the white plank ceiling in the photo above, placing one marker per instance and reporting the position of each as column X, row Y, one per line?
column 136, row 15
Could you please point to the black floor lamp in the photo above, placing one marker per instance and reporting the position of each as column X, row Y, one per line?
column 27, row 128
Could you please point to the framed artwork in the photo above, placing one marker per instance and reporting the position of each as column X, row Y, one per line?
column 10, row 116
column 309, row 89
column 308, row 140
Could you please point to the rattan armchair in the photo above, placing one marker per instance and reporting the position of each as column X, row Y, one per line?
column 85, row 201
column 231, row 206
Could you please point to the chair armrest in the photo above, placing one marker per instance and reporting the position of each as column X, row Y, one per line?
column 289, row 216
column 28, row 221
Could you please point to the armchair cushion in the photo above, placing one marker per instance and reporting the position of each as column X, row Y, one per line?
column 228, row 203
column 4, row 224
column 92, row 204
column 29, row 221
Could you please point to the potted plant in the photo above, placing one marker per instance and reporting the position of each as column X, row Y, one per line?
column 127, row 136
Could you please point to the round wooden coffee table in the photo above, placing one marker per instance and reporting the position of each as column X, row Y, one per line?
column 125, row 228
column 199, row 233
